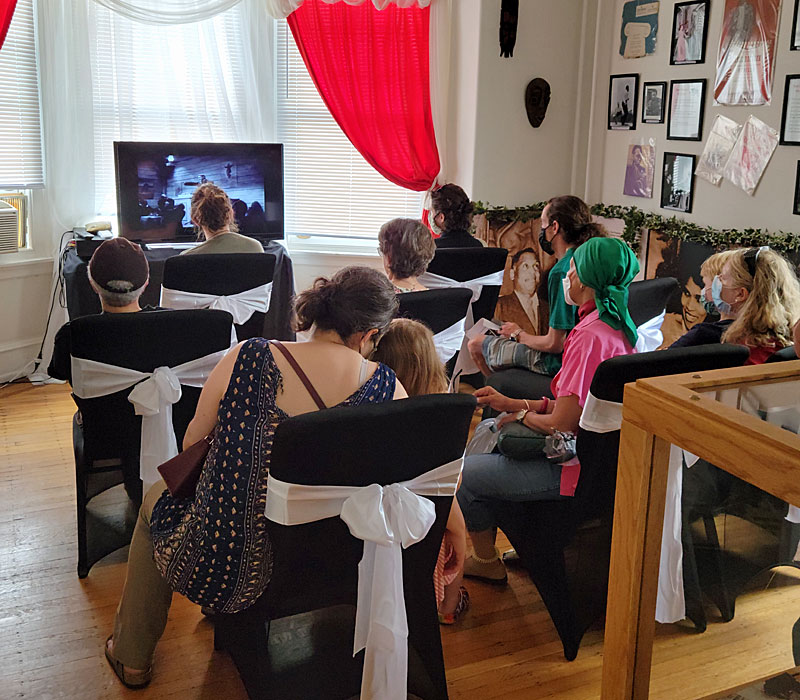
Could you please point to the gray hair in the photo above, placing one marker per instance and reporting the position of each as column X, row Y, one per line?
column 123, row 297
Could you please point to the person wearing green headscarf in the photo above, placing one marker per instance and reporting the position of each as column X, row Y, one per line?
column 597, row 283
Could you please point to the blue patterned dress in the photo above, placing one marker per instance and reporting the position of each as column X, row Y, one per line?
column 214, row 548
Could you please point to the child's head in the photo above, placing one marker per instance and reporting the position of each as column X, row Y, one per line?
column 407, row 347
column 762, row 288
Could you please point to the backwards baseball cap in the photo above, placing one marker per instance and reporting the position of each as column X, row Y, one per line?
column 119, row 266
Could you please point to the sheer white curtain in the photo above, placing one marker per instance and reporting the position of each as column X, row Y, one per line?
column 280, row 9
column 107, row 78
column 168, row 11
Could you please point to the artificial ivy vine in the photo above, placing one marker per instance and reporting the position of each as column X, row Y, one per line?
column 637, row 220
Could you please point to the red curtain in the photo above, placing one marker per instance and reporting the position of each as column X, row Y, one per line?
column 371, row 70
column 6, row 13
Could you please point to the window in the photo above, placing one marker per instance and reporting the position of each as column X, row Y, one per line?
column 331, row 193
column 188, row 82
column 21, row 163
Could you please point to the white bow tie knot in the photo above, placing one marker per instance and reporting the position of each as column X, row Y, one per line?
column 162, row 388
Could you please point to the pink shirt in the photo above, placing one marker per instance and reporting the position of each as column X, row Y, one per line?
column 587, row 345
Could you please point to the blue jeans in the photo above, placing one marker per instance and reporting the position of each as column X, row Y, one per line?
column 494, row 477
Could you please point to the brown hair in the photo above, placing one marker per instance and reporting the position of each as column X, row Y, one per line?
column 408, row 245
column 773, row 305
column 574, row 218
column 407, row 347
column 354, row 300
column 453, row 202
column 211, row 209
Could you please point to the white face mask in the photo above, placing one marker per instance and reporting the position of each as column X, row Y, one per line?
column 434, row 226
column 567, row 296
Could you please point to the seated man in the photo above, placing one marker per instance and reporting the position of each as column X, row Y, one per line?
column 118, row 273
column 566, row 224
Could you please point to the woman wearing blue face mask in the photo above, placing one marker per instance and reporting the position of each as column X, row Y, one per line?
column 709, row 331
column 597, row 288
column 566, row 224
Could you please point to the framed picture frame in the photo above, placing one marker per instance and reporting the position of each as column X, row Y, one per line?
column 790, row 118
column 796, row 207
column 677, row 182
column 689, row 33
column 623, row 94
column 795, row 42
column 687, row 103
column 654, row 102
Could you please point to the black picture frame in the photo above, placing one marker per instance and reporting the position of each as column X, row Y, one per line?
column 670, row 128
column 796, row 208
column 785, row 111
column 647, row 116
column 672, row 197
column 620, row 116
column 794, row 40
column 676, row 11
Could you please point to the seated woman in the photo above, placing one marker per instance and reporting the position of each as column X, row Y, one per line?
column 758, row 294
column 212, row 213
column 451, row 217
column 213, row 548
column 407, row 347
column 407, row 249
column 569, row 222
column 707, row 332
column 597, row 284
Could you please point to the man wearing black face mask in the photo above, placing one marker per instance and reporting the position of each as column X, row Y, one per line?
column 566, row 223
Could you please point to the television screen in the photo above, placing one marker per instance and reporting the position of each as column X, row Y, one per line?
column 155, row 183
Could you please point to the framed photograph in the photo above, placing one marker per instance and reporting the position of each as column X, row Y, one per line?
column 687, row 101
column 623, row 93
column 654, row 103
column 795, row 46
column 796, row 209
column 790, row 121
column 677, row 182
column 689, row 33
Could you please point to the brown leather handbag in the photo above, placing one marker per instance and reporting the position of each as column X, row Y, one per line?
column 182, row 472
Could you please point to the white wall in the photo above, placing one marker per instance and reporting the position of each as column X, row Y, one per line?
column 725, row 206
column 515, row 164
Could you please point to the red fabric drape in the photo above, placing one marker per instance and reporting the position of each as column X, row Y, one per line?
column 6, row 13
column 371, row 70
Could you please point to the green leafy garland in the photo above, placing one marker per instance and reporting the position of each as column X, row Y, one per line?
column 637, row 220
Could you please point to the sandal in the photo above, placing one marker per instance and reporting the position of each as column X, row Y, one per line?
column 487, row 570
column 461, row 607
column 129, row 678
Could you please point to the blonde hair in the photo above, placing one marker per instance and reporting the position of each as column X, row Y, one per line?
column 712, row 265
column 407, row 347
column 773, row 305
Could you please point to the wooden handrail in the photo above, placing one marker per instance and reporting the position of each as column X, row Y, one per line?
column 657, row 413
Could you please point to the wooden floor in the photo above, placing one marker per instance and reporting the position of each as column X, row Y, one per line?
column 52, row 625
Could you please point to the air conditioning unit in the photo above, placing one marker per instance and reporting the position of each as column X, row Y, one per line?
column 9, row 228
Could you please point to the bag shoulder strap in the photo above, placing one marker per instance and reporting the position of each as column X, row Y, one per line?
column 300, row 373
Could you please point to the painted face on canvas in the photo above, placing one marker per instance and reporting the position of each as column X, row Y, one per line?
column 526, row 274
column 693, row 310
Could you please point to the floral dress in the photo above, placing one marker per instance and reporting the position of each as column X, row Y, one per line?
column 214, row 548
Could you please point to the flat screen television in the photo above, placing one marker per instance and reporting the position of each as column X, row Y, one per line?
column 155, row 183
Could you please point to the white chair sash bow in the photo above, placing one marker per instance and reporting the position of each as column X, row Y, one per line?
column 152, row 399
column 241, row 306
column 650, row 335
column 448, row 342
column 433, row 281
column 388, row 519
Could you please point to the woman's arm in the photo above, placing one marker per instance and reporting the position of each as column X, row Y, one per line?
column 456, row 534
column 499, row 402
column 205, row 416
column 564, row 415
column 553, row 342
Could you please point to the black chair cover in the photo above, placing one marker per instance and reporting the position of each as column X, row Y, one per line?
column 222, row 274
column 463, row 264
column 437, row 308
column 110, row 430
column 315, row 565
column 565, row 545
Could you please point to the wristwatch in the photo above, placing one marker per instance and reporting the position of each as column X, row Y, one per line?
column 520, row 415
column 515, row 335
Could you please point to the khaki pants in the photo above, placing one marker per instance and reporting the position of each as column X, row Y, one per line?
column 146, row 597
